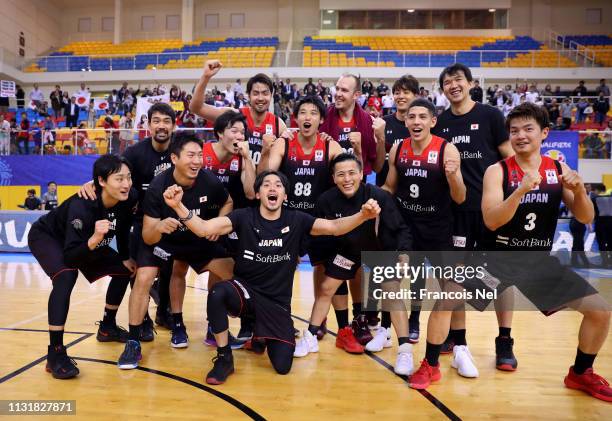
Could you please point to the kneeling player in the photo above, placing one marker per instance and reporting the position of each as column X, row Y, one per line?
column 77, row 236
column 520, row 203
column 270, row 237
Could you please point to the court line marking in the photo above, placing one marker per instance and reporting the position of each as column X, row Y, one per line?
column 41, row 359
column 427, row 395
column 42, row 330
column 227, row 398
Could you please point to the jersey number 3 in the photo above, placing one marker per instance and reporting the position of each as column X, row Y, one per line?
column 531, row 217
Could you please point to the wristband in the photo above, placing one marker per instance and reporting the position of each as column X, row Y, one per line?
column 187, row 218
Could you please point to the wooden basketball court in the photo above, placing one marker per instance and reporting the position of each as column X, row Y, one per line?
column 332, row 384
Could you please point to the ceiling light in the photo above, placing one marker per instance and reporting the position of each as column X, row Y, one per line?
column 330, row 11
column 410, row 10
column 491, row 10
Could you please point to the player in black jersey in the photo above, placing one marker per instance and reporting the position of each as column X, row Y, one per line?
column 75, row 237
column 478, row 131
column 270, row 241
column 149, row 158
column 520, row 204
column 165, row 236
column 425, row 178
column 261, row 123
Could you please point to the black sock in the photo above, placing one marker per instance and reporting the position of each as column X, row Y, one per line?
column 177, row 319
column 342, row 317
column 146, row 318
column 583, row 362
column 224, row 350
column 385, row 319
column 414, row 317
column 458, row 336
column 110, row 317
column 135, row 332
column 56, row 337
column 313, row 329
column 356, row 310
column 504, row 331
column 402, row 340
column 432, row 353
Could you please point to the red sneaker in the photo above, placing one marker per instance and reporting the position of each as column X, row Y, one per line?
column 590, row 383
column 346, row 340
column 422, row 378
column 361, row 330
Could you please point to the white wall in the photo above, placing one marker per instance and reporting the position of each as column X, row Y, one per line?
column 261, row 18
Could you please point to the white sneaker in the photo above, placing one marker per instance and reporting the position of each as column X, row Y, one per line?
column 404, row 364
column 381, row 339
column 463, row 361
column 306, row 344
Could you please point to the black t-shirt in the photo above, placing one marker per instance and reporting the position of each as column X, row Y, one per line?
column 32, row 203
column 392, row 232
column 477, row 135
column 395, row 132
column 269, row 250
column 205, row 198
column 146, row 164
column 74, row 221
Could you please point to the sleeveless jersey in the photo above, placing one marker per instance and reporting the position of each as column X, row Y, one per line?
column 533, row 225
column 254, row 135
column 228, row 173
column 308, row 174
column 343, row 138
column 423, row 193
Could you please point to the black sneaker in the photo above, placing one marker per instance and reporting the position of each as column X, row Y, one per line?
column 147, row 330
column 130, row 356
column 223, row 366
column 447, row 346
column 163, row 318
column 504, row 357
column 413, row 332
column 111, row 333
column 59, row 364
column 361, row 330
column 246, row 331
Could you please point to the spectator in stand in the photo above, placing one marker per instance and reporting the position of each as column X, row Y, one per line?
column 382, row 88
column 310, row 88
column 601, row 108
column 20, row 96
column 440, row 101
column 83, row 91
column 48, row 132
column 607, row 135
column 476, row 92
column 31, row 201
column 593, row 146
column 320, row 88
column 65, row 104
column 238, row 89
column 43, row 110
column 603, row 88
column 566, row 111
column 128, row 101
column 143, row 126
column 229, row 94
column 500, row 99
column 532, row 95
column 24, row 135
column 581, row 106
column 36, row 96
column 5, row 136
column 56, row 101
column 507, row 107
column 122, row 92
column 288, row 90
column 175, row 93
column 388, row 103
column 49, row 199
column 112, row 136
column 113, row 101
column 367, row 87
column 492, row 91
column 557, row 91
column 81, row 138
column 72, row 113
column 559, row 124
column 553, row 109
column 580, row 90
column 126, row 135
column 375, row 102
column 241, row 102
column 548, row 92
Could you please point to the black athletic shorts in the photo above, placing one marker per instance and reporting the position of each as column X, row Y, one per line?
column 272, row 320
column 318, row 248
column 49, row 253
column 468, row 230
column 342, row 266
column 544, row 281
column 198, row 254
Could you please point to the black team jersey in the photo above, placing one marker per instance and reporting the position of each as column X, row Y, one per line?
column 423, row 194
column 308, row 174
column 269, row 250
column 477, row 135
column 255, row 133
column 228, row 173
column 74, row 222
column 146, row 164
column 388, row 232
column 533, row 225
column 205, row 198
column 395, row 132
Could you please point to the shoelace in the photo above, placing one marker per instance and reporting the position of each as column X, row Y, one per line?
column 65, row 359
column 403, row 357
column 130, row 350
column 597, row 379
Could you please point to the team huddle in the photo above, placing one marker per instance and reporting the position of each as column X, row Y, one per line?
column 247, row 207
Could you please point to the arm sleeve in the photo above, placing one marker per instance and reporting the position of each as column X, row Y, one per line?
column 498, row 127
column 394, row 233
column 79, row 227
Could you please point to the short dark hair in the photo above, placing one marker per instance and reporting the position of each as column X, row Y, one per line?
column 179, row 141
column 310, row 99
column 51, row 182
column 107, row 165
column 406, row 83
column 425, row 103
column 260, row 78
column 528, row 110
column 260, row 179
column 31, row 191
column 453, row 69
column 345, row 156
column 227, row 120
column 162, row 108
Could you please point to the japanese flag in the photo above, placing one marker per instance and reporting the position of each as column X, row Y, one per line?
column 82, row 100
column 100, row 104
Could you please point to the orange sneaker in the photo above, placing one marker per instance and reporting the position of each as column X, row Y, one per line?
column 590, row 383
column 422, row 378
column 346, row 340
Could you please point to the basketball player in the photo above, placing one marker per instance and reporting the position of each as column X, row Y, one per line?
column 166, row 236
column 479, row 133
column 304, row 159
column 149, row 158
column 520, row 204
column 425, row 177
column 260, row 122
column 270, row 238
column 75, row 237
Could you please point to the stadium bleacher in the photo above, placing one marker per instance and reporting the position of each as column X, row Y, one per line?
column 600, row 44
